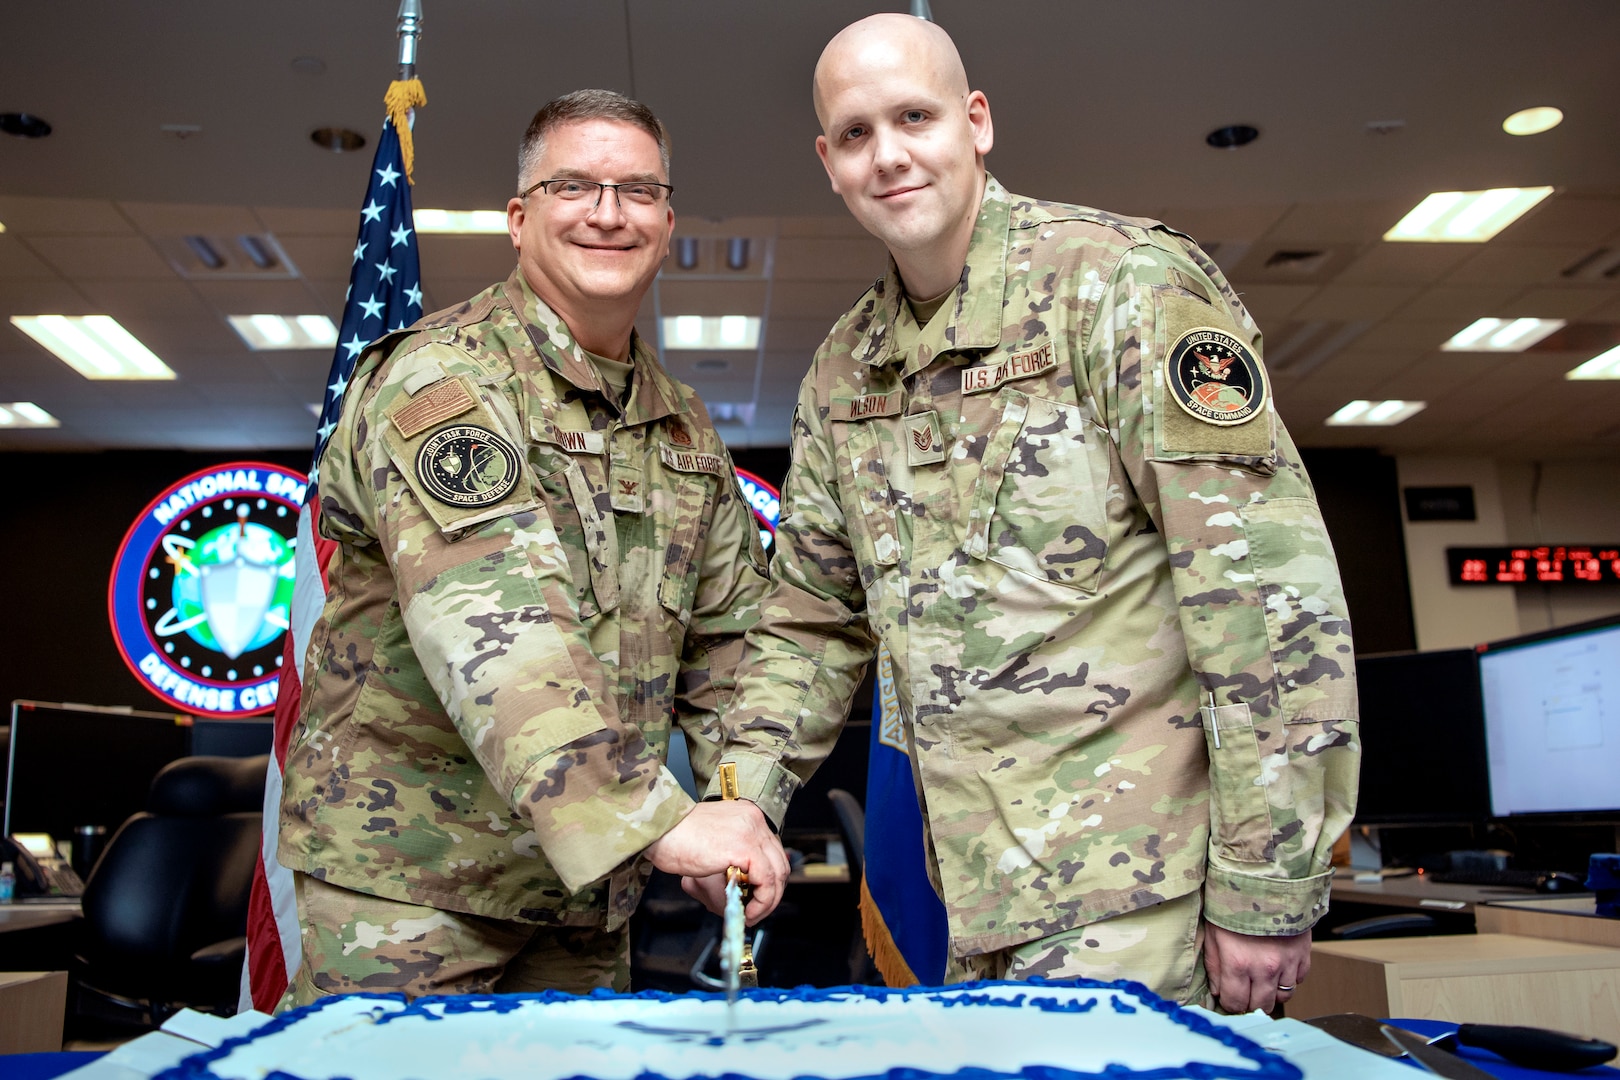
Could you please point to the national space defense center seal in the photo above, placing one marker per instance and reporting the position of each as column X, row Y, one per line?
column 466, row 465
column 1215, row 377
column 202, row 584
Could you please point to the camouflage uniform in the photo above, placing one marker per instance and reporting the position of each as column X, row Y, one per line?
column 1120, row 643
column 530, row 589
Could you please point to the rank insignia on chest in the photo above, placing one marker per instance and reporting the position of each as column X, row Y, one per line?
column 466, row 465
column 924, row 443
column 1214, row 377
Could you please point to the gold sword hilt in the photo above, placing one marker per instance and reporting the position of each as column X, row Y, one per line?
column 747, row 973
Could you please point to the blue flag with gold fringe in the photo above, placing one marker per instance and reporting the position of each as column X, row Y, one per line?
column 901, row 915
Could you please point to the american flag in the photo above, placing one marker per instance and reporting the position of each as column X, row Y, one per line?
column 385, row 293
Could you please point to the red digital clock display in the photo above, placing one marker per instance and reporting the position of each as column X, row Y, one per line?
column 1546, row 564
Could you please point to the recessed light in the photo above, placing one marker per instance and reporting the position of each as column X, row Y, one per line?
column 1376, row 413
column 1533, row 121
column 24, row 125
column 96, row 346
column 262, row 332
column 1602, row 366
column 711, row 331
column 25, row 414
column 337, row 140
column 460, row 222
column 1470, row 217
column 1230, row 138
column 1501, row 335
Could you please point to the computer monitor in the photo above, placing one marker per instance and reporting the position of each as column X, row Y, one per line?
column 1552, row 721
column 1422, row 739
column 73, row 765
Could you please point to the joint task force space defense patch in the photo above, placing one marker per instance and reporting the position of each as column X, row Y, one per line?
column 1215, row 378
column 466, row 465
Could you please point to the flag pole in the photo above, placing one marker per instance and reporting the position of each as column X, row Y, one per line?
column 410, row 28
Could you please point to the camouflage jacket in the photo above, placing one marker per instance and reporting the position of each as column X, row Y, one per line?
column 1119, row 638
column 530, row 589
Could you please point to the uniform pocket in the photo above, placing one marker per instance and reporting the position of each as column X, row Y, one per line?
column 1240, row 814
column 1040, row 502
column 874, row 533
column 694, row 505
column 586, row 536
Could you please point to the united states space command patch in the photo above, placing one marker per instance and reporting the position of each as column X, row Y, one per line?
column 466, row 465
column 1215, row 377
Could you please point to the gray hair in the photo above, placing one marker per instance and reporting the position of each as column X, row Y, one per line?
column 586, row 105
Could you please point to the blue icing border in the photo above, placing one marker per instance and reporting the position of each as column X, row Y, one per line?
column 1271, row 1066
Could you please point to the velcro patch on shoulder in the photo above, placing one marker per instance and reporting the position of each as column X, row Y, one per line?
column 442, row 401
column 868, row 405
column 691, row 461
column 1217, row 383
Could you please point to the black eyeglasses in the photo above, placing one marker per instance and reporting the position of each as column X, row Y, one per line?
column 636, row 192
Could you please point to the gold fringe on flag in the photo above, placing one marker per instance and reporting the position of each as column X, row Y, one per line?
column 880, row 944
column 403, row 96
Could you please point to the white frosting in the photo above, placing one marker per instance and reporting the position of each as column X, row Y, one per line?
column 996, row 1027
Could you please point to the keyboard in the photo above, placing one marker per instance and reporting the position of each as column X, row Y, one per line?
column 1511, row 879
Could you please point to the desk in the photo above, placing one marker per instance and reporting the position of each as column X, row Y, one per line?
column 27, row 916
column 1419, row 892
column 1480, row 978
column 1562, row 918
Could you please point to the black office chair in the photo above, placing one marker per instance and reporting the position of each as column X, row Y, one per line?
column 165, row 910
column 852, row 824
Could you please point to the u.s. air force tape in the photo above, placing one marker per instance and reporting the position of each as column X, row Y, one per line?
column 1215, row 378
column 466, row 465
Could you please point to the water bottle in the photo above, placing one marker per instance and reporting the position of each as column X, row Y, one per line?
column 8, row 882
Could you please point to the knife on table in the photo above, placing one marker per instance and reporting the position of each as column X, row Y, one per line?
column 1535, row 1048
column 736, row 957
column 1434, row 1060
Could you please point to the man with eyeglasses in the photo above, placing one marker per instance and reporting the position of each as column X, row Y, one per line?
column 544, row 572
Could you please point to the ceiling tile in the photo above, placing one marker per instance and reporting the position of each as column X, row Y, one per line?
column 815, row 299
column 1223, row 224
column 181, row 219
column 101, row 257
column 1565, row 219
column 746, row 297
column 320, row 256
column 151, row 298
column 829, row 258
column 1271, row 304
column 16, row 261
column 1517, row 265
column 43, row 298
column 1347, row 302
column 1567, row 302
column 1336, row 222
column 803, row 335
column 488, row 257
column 257, row 297
column 303, row 221
column 36, row 216
column 1459, row 304
column 841, row 225
column 1405, row 264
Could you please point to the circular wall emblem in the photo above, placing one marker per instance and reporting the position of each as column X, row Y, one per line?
column 466, row 465
column 1215, row 377
column 201, row 585
column 764, row 500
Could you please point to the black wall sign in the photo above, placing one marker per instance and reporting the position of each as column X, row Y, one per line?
column 1439, row 503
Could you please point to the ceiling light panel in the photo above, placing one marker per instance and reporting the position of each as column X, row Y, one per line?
column 1502, row 335
column 1603, row 366
column 25, row 414
column 1376, row 413
column 262, row 332
column 1465, row 217
column 96, row 346
column 460, row 222
column 711, row 331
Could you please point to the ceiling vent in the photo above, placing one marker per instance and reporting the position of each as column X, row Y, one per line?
column 1290, row 264
column 212, row 257
column 1297, row 262
column 1300, row 347
column 1600, row 264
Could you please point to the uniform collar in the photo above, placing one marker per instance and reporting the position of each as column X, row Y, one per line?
column 653, row 394
column 973, row 316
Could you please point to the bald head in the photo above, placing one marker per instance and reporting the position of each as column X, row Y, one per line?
column 887, row 42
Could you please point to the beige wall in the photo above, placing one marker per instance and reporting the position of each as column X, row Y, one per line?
column 1566, row 502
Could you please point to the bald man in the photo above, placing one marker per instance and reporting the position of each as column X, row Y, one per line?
column 1039, row 461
